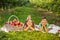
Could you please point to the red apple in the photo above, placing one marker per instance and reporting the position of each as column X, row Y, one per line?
column 15, row 20
column 12, row 24
column 58, row 30
column 19, row 23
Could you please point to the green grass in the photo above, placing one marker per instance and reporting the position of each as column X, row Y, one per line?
column 21, row 13
column 23, row 35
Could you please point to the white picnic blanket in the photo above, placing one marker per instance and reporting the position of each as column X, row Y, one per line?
column 53, row 28
column 6, row 28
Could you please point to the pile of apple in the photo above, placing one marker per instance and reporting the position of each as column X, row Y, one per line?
column 15, row 23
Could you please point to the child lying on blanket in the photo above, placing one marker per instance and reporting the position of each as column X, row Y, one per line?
column 29, row 24
column 43, row 25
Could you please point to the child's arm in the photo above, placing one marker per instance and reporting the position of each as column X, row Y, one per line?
column 46, row 29
column 32, row 28
column 26, row 28
column 41, row 28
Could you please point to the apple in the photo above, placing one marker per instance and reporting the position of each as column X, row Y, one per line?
column 13, row 24
column 58, row 30
column 15, row 20
column 20, row 24
column 10, row 22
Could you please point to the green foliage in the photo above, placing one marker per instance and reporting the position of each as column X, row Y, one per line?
column 6, row 4
column 29, row 35
column 51, row 5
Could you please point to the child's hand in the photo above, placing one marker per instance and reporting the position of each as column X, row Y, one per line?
column 43, row 25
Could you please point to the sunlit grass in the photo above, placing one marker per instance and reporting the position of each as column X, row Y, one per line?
column 27, row 35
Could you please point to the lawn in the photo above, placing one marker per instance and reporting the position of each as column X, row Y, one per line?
column 29, row 35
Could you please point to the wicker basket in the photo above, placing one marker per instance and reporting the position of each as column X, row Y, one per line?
column 13, row 28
